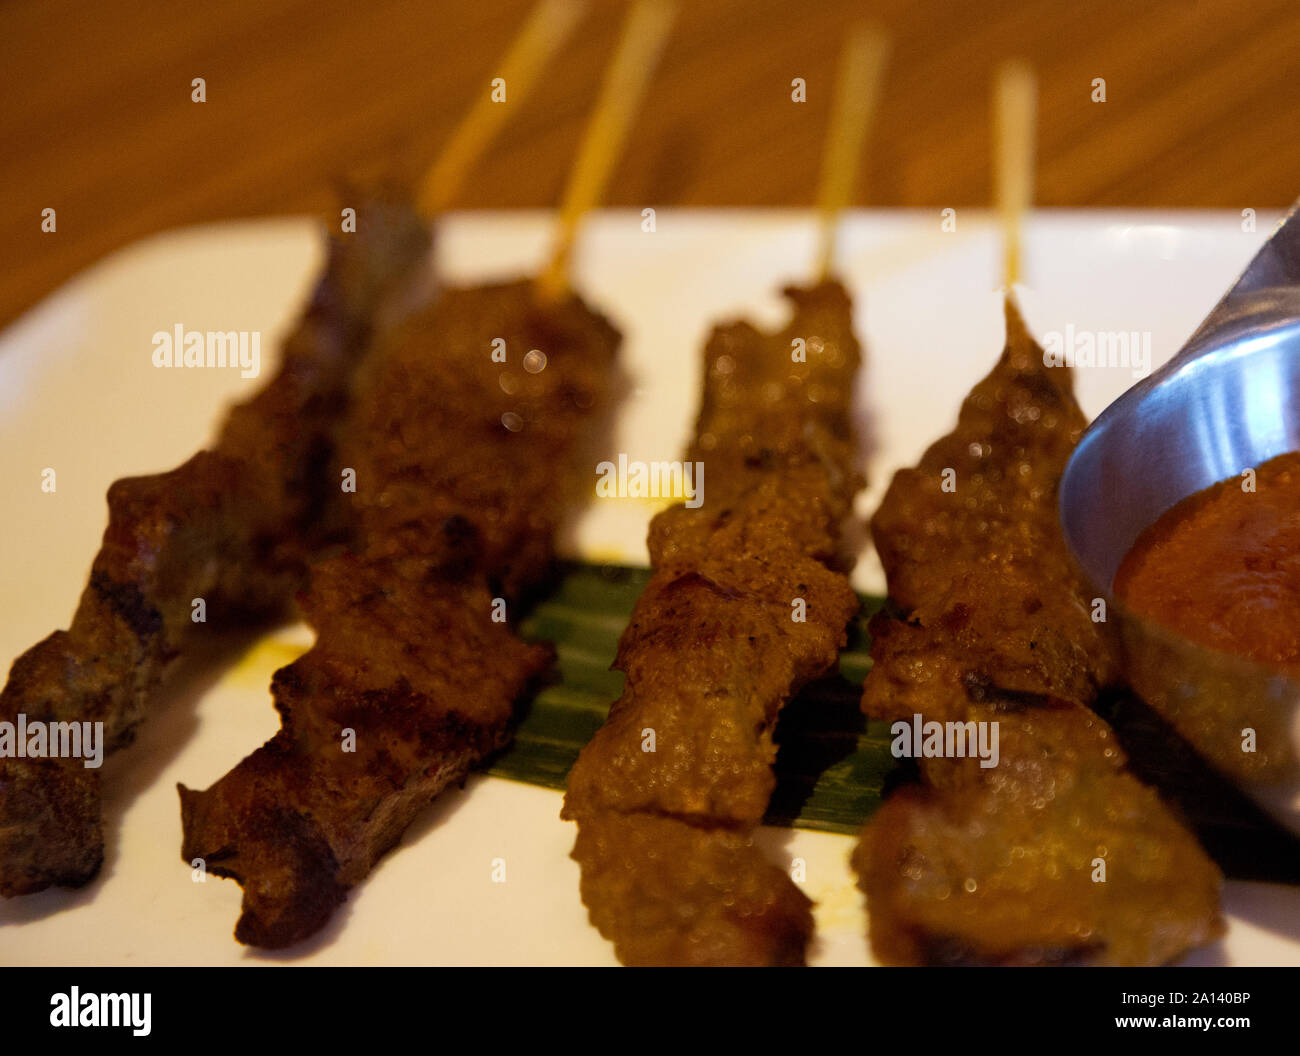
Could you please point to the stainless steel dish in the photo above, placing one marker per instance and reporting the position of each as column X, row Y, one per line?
column 1229, row 400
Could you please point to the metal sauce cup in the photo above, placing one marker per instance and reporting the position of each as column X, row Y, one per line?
column 1229, row 400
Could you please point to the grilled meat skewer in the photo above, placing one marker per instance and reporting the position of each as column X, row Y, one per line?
column 748, row 602
column 1056, row 854
column 236, row 525
column 465, row 469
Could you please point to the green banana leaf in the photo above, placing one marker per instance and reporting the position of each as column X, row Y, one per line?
column 832, row 764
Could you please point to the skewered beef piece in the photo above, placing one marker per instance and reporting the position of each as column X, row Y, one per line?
column 235, row 525
column 748, row 602
column 465, row 469
column 1056, row 854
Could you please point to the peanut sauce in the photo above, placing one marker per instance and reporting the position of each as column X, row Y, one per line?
column 1222, row 567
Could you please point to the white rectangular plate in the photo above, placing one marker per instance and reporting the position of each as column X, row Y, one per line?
column 78, row 393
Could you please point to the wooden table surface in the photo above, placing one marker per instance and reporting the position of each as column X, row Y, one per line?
column 1202, row 109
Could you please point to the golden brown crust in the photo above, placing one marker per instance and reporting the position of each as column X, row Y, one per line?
column 670, row 893
column 713, row 652
column 1056, row 854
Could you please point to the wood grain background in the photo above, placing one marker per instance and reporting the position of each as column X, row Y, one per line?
column 1202, row 109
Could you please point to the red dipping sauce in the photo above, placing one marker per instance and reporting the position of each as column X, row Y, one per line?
column 1222, row 567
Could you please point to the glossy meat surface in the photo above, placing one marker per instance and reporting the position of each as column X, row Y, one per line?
column 1055, row 855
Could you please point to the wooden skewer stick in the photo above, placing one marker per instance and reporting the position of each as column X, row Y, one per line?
column 540, row 37
column 1014, row 119
column 857, row 91
column 644, row 32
